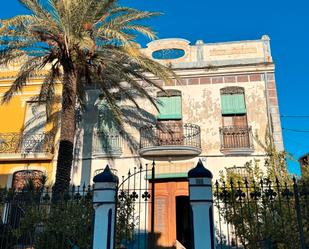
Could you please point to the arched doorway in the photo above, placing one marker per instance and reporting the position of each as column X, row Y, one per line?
column 15, row 209
column 21, row 178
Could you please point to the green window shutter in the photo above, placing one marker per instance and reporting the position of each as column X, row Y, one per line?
column 169, row 108
column 233, row 104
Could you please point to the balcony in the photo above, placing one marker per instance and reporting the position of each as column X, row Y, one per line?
column 170, row 140
column 107, row 145
column 236, row 140
column 19, row 147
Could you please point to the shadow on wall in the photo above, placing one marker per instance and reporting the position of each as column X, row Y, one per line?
column 3, row 180
column 102, row 135
column 140, row 241
column 158, row 246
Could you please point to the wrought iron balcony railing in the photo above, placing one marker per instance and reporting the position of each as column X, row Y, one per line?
column 107, row 144
column 12, row 143
column 233, row 137
column 171, row 134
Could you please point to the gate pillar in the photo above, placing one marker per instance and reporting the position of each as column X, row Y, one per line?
column 201, row 202
column 104, row 203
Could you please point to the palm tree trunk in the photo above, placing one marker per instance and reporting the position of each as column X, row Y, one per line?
column 67, row 133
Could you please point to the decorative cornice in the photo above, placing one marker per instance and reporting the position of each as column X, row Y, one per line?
column 232, row 90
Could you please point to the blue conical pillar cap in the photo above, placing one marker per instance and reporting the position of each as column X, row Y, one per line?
column 199, row 171
column 106, row 176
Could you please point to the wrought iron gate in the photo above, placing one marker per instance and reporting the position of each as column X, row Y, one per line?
column 135, row 209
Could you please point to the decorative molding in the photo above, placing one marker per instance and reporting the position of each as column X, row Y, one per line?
column 25, row 167
column 232, row 90
column 13, row 74
column 169, row 93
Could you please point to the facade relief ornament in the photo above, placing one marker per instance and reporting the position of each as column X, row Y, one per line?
column 232, row 90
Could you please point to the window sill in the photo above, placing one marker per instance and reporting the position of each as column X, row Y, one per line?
column 34, row 156
column 237, row 151
column 112, row 154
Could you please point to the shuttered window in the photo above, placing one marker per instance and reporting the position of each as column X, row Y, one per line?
column 107, row 139
column 105, row 119
column 107, row 144
column 169, row 107
column 233, row 104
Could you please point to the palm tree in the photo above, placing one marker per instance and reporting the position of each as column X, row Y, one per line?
column 82, row 43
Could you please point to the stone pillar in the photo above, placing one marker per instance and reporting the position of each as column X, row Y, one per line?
column 201, row 202
column 104, row 203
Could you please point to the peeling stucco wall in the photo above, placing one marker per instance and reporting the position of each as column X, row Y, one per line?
column 204, row 70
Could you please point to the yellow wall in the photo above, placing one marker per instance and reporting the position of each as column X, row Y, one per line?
column 7, row 170
column 12, row 116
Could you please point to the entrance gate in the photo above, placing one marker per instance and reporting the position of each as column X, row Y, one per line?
column 135, row 209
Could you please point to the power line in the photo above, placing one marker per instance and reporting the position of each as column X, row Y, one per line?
column 294, row 116
column 295, row 130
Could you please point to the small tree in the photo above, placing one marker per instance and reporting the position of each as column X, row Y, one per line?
column 60, row 225
column 261, row 207
column 125, row 220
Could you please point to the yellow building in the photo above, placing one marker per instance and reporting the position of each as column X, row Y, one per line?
column 26, row 138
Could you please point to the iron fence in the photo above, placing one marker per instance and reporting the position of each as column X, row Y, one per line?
column 263, row 214
column 248, row 214
column 26, row 143
column 30, row 219
column 171, row 134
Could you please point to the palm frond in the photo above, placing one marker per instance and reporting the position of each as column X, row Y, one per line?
column 38, row 10
column 47, row 90
column 9, row 55
column 122, row 21
column 97, row 40
column 26, row 71
column 97, row 10
column 141, row 29
column 16, row 21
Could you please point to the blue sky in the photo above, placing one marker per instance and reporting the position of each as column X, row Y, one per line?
column 287, row 24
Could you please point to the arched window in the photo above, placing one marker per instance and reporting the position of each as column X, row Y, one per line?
column 170, row 117
column 106, row 121
column 233, row 107
column 107, row 139
column 235, row 133
column 233, row 100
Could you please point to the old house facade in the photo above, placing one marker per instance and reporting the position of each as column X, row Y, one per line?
column 219, row 110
